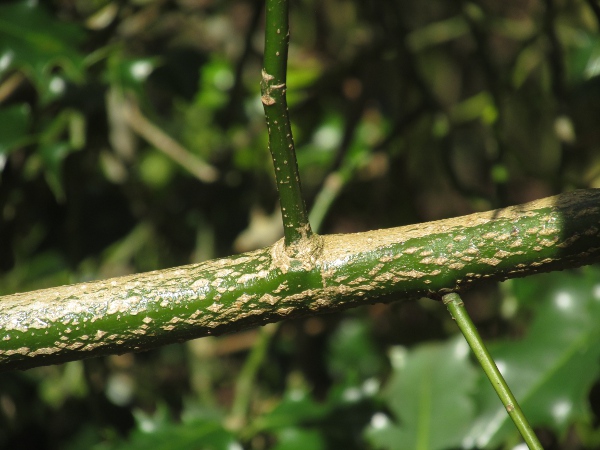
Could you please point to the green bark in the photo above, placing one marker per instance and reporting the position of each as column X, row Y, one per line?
column 281, row 142
column 328, row 273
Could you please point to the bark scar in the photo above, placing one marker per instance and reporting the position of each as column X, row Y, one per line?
column 267, row 88
column 303, row 254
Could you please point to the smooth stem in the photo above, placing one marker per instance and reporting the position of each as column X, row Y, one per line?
column 457, row 309
column 281, row 143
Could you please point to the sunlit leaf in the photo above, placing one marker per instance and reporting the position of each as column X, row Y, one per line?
column 159, row 432
column 293, row 438
column 552, row 369
column 353, row 353
column 584, row 61
column 430, row 396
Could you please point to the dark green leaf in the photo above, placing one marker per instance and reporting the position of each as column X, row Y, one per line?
column 33, row 41
column 552, row 369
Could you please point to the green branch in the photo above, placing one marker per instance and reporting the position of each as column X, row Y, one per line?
column 457, row 309
column 296, row 227
column 146, row 310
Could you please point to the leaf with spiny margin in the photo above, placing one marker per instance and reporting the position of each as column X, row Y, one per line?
column 35, row 42
column 430, row 394
column 551, row 370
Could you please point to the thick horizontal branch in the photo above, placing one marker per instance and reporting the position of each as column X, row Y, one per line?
column 329, row 273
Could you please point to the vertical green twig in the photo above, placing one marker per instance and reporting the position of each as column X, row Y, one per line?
column 245, row 382
column 281, row 143
column 457, row 309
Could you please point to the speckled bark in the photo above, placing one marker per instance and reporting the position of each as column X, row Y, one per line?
column 281, row 142
column 329, row 273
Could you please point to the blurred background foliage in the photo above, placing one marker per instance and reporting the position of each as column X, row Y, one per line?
column 132, row 138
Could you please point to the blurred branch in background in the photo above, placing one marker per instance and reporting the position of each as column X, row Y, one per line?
column 163, row 142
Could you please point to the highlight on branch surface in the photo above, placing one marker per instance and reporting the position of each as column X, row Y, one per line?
column 336, row 272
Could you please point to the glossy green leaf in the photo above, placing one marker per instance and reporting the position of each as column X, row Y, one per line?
column 35, row 42
column 293, row 438
column 584, row 61
column 552, row 369
column 430, row 396
column 14, row 125
column 158, row 432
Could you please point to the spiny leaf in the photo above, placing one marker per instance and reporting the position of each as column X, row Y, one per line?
column 33, row 41
column 430, row 395
column 552, row 369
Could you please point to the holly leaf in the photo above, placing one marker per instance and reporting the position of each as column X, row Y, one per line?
column 429, row 394
column 552, row 369
column 33, row 41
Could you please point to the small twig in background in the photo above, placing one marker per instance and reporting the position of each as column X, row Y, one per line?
column 166, row 144
column 245, row 381
column 8, row 86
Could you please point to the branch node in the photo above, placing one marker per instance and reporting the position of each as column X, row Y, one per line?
column 302, row 254
column 267, row 88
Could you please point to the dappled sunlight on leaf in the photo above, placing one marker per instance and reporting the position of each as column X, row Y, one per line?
column 552, row 369
column 430, row 396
